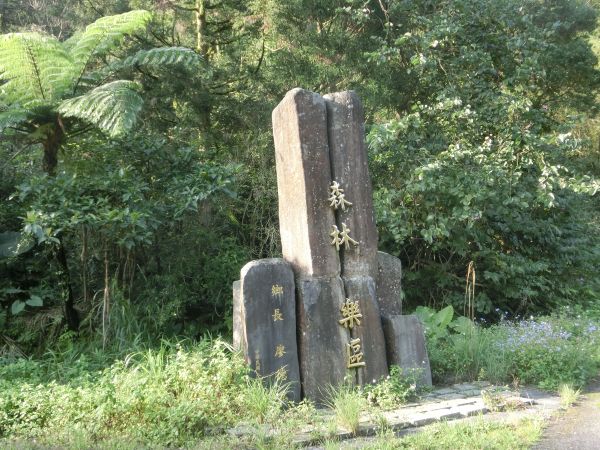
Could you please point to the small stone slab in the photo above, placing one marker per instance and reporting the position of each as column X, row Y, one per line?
column 303, row 181
column 265, row 327
column 321, row 340
column 405, row 345
column 349, row 168
column 370, row 330
column 238, row 323
column 389, row 284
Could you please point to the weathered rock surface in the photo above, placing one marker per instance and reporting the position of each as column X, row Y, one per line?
column 349, row 168
column 369, row 331
column 239, row 332
column 405, row 345
column 321, row 339
column 389, row 284
column 303, row 180
column 266, row 321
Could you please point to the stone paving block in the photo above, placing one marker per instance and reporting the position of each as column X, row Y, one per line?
column 303, row 182
column 472, row 410
column 452, row 396
column 389, row 284
column 266, row 323
column 444, row 391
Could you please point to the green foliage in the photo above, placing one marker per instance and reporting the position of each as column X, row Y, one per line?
column 112, row 107
column 548, row 351
column 36, row 67
column 394, row 390
column 347, row 404
column 153, row 397
column 480, row 163
column 104, row 35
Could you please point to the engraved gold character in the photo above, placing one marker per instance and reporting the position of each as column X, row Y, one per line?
column 277, row 315
column 281, row 374
column 354, row 354
column 276, row 290
column 280, row 351
column 350, row 313
column 335, row 234
column 345, row 237
column 257, row 362
column 337, row 197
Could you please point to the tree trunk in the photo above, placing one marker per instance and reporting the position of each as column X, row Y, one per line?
column 52, row 144
column 54, row 139
column 201, row 46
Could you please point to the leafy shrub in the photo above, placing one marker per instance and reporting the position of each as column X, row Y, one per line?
column 547, row 351
column 392, row 391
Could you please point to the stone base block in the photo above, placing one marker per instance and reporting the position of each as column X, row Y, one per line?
column 405, row 344
column 321, row 340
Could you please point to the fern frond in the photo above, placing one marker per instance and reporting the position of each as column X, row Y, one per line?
column 105, row 34
column 12, row 117
column 33, row 66
column 112, row 107
column 159, row 57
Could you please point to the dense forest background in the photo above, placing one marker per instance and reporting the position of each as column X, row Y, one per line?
column 140, row 190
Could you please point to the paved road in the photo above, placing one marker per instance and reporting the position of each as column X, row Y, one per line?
column 578, row 428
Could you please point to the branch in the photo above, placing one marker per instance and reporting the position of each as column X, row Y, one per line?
column 260, row 60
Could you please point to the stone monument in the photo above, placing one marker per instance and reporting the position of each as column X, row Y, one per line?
column 336, row 287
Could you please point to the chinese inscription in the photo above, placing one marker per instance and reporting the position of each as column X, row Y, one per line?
column 351, row 314
column 337, row 198
column 276, row 290
column 341, row 238
column 280, row 351
column 277, row 315
column 354, row 354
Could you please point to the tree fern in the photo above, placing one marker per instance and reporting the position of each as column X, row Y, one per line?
column 33, row 67
column 105, row 34
column 12, row 117
column 159, row 57
column 112, row 107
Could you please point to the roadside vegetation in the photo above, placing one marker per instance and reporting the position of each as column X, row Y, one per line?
column 136, row 179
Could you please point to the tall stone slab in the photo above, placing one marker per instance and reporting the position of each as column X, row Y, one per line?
column 369, row 331
column 306, row 221
column 303, row 180
column 265, row 324
column 406, row 347
column 349, row 168
column 389, row 284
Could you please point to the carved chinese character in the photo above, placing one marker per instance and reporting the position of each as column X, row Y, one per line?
column 350, row 313
column 277, row 315
column 281, row 374
column 341, row 237
column 257, row 362
column 337, row 197
column 354, row 355
column 280, row 351
column 276, row 290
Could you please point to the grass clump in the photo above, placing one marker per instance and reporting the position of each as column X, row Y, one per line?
column 568, row 395
column 169, row 396
column 347, row 403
